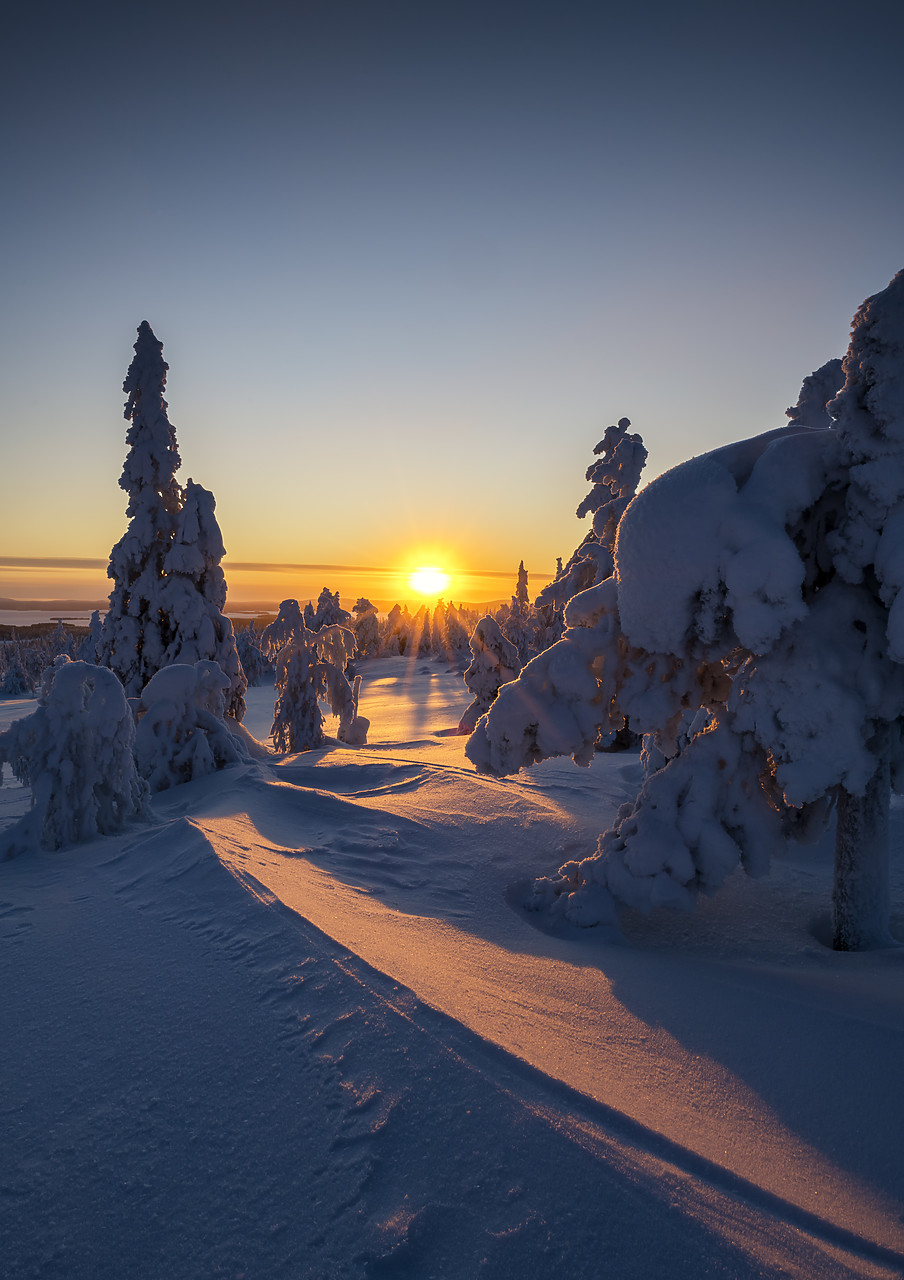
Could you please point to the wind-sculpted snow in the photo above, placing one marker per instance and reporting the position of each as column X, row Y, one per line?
column 305, row 991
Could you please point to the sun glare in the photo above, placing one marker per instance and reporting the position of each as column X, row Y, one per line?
column 428, row 580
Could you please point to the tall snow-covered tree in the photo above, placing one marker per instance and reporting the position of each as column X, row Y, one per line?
column 763, row 584
column 169, row 593
column 136, row 630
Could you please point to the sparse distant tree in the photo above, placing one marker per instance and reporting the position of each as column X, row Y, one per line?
column 254, row 664
column 92, row 644
column 367, row 628
column 762, row 584
column 494, row 663
column 520, row 625
column 329, row 611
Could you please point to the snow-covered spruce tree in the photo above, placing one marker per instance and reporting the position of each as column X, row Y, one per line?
column 614, row 478
column 75, row 752
column 329, row 611
column 17, row 681
column 310, row 667
column 193, row 596
column 136, row 630
column 92, row 644
column 254, row 664
column 166, row 604
column 520, row 626
column 287, row 624
column 182, row 733
column 367, row 628
column 762, row 583
column 493, row 664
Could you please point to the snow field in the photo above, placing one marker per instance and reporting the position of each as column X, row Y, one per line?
column 293, row 1027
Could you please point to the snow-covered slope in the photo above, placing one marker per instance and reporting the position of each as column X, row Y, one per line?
column 293, row 1028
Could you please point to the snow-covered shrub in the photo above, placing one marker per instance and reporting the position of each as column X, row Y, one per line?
column 169, row 590
column 763, row 584
column 182, row 732
column 493, row 664
column 75, row 752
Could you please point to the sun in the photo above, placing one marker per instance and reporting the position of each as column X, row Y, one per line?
column 429, row 580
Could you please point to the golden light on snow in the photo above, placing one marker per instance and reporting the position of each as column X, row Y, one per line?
column 428, row 580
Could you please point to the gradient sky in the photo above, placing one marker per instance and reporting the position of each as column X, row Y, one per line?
column 408, row 261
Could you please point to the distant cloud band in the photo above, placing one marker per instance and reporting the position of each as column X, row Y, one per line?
column 243, row 566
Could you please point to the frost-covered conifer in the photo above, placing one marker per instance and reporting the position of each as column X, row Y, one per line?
column 762, row 584
column 297, row 718
column 75, row 752
column 182, row 733
column 520, row 625
column 282, row 631
column 614, row 478
column 310, row 620
column 92, row 644
column 494, row 663
column 17, row 681
column 169, row 590
column 329, row 611
column 136, row 631
column 193, row 596
column 311, row 667
column 367, row 628
column 254, row 664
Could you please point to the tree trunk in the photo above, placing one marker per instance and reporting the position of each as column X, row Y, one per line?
column 860, row 894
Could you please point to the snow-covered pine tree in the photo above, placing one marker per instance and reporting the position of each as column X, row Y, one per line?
column 763, row 584
column 494, row 663
column 614, row 478
column 193, row 596
column 136, row 630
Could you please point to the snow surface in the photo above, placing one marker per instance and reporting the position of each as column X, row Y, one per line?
column 292, row 1027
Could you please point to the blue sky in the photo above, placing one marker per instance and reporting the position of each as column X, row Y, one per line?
column 409, row 261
